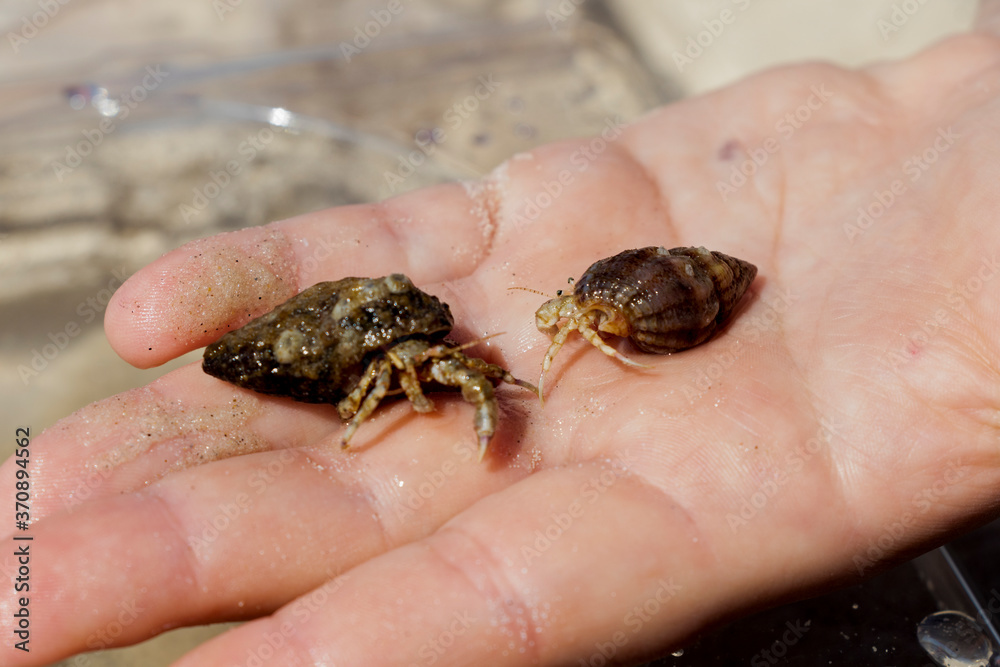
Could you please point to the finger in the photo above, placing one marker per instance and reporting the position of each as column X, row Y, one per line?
column 574, row 190
column 188, row 418
column 546, row 572
column 184, row 419
column 588, row 562
column 196, row 293
column 240, row 537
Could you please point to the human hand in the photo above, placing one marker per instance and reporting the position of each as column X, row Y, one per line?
column 843, row 421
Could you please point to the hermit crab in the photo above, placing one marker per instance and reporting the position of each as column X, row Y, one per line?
column 661, row 300
column 353, row 342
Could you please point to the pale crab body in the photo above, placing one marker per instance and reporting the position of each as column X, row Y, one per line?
column 661, row 300
column 351, row 343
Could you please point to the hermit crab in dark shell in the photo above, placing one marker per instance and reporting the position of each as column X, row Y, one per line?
column 353, row 342
column 661, row 300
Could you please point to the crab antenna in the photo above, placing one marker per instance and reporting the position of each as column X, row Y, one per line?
column 533, row 291
column 476, row 342
column 441, row 349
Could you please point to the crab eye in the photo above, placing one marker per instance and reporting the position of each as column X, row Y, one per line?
column 558, row 292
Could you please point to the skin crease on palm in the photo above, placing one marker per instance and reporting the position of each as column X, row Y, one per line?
column 840, row 379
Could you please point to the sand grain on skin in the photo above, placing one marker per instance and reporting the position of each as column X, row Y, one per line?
column 221, row 279
column 139, row 436
column 193, row 295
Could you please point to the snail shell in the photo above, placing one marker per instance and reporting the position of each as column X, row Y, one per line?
column 670, row 299
column 661, row 300
column 347, row 342
column 315, row 346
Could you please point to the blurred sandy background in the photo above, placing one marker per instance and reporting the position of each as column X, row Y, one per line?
column 335, row 95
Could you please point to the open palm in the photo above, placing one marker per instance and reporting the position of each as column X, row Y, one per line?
column 845, row 419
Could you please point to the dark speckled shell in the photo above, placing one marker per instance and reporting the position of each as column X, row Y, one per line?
column 673, row 299
column 314, row 346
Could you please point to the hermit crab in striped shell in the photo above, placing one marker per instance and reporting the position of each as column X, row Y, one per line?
column 353, row 342
column 661, row 300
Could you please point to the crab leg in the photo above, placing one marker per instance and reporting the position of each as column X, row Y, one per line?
column 348, row 405
column 487, row 369
column 382, row 378
column 598, row 342
column 476, row 389
column 409, row 381
column 554, row 347
column 496, row 372
column 583, row 326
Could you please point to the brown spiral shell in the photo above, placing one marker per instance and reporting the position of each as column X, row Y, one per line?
column 670, row 299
